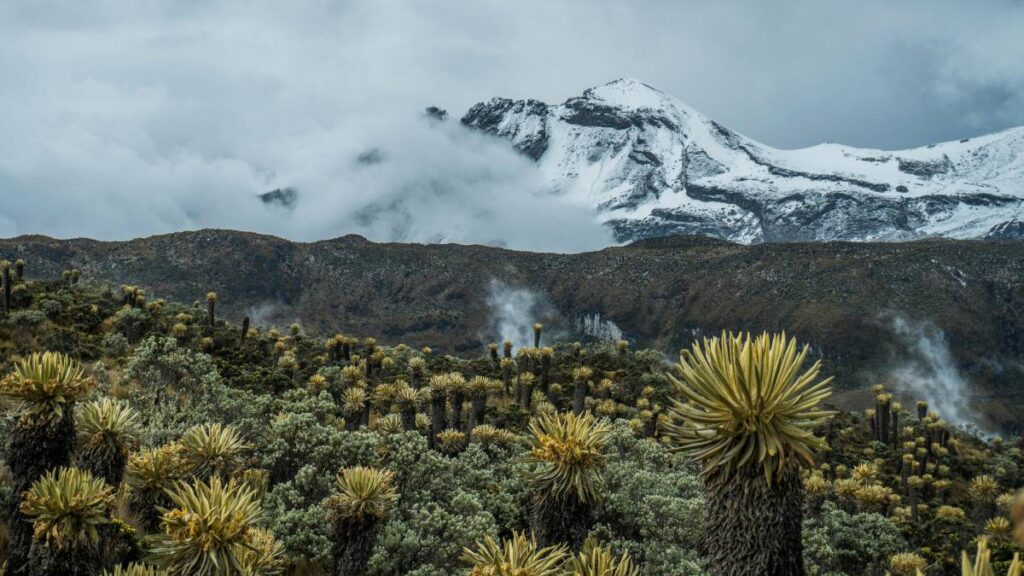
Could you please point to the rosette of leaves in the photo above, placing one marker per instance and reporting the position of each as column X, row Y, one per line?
column 149, row 474
column 67, row 507
column 107, row 431
column 362, row 500
column 517, row 556
column 596, row 560
column 212, row 450
column 747, row 410
column 210, row 529
column 566, row 459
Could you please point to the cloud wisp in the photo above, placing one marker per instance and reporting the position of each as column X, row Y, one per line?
column 929, row 370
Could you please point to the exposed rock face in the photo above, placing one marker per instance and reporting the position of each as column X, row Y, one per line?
column 653, row 166
column 435, row 113
column 1012, row 230
column 660, row 292
column 521, row 121
column 283, row 197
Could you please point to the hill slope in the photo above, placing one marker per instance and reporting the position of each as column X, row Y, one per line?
column 654, row 166
column 853, row 301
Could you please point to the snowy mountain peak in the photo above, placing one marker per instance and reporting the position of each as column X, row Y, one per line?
column 653, row 166
column 629, row 94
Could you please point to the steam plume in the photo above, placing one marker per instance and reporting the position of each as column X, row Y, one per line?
column 930, row 371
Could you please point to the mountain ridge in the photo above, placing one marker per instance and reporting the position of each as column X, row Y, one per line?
column 652, row 165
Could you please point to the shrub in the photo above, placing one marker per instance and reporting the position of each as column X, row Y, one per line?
column 838, row 542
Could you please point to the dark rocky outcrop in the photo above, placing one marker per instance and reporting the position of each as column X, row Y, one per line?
column 529, row 138
column 283, row 197
column 1010, row 230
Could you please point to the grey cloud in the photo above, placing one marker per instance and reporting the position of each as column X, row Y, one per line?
column 120, row 119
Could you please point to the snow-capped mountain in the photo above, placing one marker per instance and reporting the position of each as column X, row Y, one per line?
column 653, row 166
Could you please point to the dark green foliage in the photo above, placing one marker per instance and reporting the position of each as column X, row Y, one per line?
column 579, row 396
column 457, row 398
column 653, row 506
column 478, row 403
column 438, row 415
column 841, row 543
column 652, row 503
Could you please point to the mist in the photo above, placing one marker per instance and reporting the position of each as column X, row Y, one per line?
column 927, row 370
column 514, row 310
column 428, row 182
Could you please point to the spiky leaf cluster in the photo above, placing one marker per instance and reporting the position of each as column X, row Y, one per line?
column 67, row 506
column 984, row 489
column 566, row 455
column 157, row 468
column 448, row 382
column 390, row 424
column 211, row 449
column 362, row 493
column 451, row 441
column 518, row 556
column 482, row 385
column 209, row 531
column 45, row 385
column 982, row 563
column 490, row 435
column 746, row 401
column 353, row 401
column 596, row 560
column 950, row 514
column 998, row 527
column 408, row 397
column 135, row 569
column 582, row 373
column 906, row 564
column 265, row 555
column 107, row 427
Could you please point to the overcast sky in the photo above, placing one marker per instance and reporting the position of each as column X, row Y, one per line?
column 125, row 118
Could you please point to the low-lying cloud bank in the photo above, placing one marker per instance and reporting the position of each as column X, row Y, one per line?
column 406, row 179
column 120, row 121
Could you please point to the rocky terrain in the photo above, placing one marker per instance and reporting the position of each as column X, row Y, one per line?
column 653, row 166
column 865, row 307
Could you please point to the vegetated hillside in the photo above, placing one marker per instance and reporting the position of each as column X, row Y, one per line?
column 291, row 454
column 843, row 298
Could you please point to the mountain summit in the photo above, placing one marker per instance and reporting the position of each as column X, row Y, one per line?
column 653, row 166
